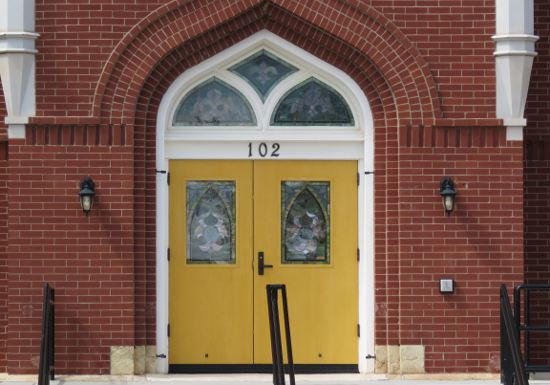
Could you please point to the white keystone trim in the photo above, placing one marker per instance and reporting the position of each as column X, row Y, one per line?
column 16, row 131
column 514, row 54
column 17, row 63
column 356, row 142
column 20, row 35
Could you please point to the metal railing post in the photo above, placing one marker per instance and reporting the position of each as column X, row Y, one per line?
column 287, row 337
column 46, row 371
column 524, row 325
column 275, row 334
column 512, row 369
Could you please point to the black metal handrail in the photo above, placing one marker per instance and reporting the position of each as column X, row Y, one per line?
column 275, row 332
column 512, row 370
column 526, row 325
column 46, row 369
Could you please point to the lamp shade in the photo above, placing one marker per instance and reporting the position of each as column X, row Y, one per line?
column 87, row 194
column 448, row 194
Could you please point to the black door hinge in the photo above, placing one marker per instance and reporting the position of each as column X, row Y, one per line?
column 358, row 255
column 168, row 254
column 358, row 330
column 168, row 179
column 168, row 330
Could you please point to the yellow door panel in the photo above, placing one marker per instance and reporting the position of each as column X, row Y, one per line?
column 322, row 296
column 211, row 299
column 218, row 311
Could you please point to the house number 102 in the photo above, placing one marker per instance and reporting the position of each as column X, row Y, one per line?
column 263, row 150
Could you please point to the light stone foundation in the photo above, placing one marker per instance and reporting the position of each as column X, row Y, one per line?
column 150, row 359
column 403, row 359
column 139, row 360
column 122, row 360
column 394, row 359
column 381, row 362
column 127, row 360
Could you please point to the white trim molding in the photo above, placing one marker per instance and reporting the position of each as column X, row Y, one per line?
column 514, row 54
column 17, row 63
column 355, row 142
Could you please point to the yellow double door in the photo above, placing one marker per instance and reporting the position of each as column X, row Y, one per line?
column 302, row 215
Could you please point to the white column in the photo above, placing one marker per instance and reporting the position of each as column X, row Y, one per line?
column 514, row 53
column 17, row 63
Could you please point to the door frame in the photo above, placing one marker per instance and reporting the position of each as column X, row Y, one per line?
column 329, row 144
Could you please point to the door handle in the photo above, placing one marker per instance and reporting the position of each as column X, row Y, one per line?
column 261, row 263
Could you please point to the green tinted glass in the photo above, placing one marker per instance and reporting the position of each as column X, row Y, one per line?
column 263, row 71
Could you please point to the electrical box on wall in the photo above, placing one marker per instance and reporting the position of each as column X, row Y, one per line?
column 446, row 286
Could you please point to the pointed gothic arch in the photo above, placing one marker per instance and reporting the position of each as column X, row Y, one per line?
column 336, row 141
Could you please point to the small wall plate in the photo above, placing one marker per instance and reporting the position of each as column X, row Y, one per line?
column 446, row 286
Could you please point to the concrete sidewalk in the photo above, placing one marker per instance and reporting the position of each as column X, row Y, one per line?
column 261, row 379
column 264, row 379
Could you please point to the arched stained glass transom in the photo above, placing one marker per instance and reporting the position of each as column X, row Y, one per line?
column 214, row 103
column 312, row 103
column 263, row 90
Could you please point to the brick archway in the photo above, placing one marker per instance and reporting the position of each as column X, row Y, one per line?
column 391, row 73
column 368, row 39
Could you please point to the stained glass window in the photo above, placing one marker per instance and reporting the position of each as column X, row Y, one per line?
column 210, row 222
column 263, row 71
column 305, row 222
column 312, row 103
column 214, row 103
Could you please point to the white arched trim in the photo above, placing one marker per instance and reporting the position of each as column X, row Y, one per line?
column 312, row 142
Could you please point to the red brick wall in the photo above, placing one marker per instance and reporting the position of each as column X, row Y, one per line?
column 88, row 260
column 3, row 254
column 77, row 39
column 3, row 233
column 480, row 244
column 537, row 183
column 430, row 81
column 537, row 157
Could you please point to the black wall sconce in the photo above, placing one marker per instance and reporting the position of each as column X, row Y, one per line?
column 448, row 193
column 87, row 194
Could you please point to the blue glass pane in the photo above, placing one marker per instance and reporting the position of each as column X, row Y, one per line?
column 305, row 222
column 211, row 222
column 214, row 103
column 263, row 71
column 312, row 103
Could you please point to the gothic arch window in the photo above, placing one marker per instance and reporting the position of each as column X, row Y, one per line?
column 266, row 91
